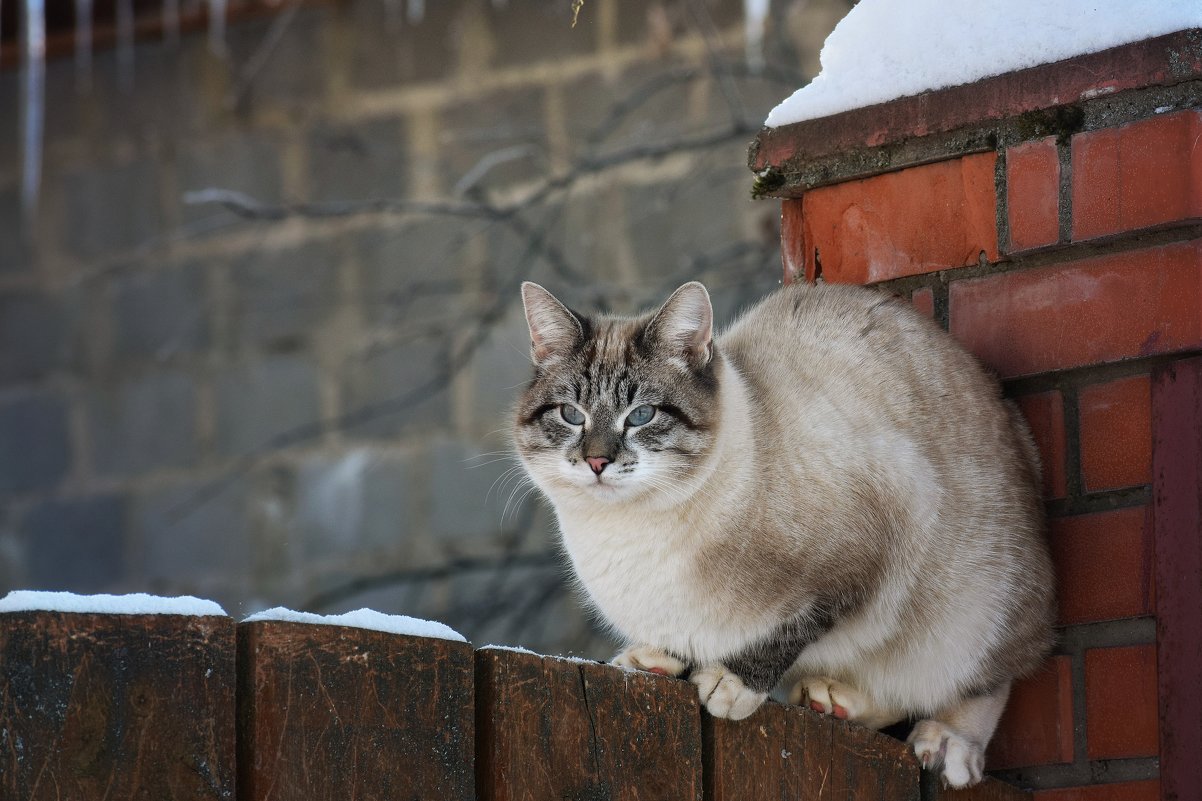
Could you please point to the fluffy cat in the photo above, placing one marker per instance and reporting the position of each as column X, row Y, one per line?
column 831, row 498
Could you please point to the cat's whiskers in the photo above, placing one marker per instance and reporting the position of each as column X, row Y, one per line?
column 530, row 489
column 514, row 473
column 669, row 485
column 504, row 431
column 498, row 460
column 533, row 463
column 492, row 456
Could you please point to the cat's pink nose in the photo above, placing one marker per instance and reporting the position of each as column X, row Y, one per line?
column 597, row 463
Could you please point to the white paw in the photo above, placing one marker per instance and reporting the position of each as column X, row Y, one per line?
column 724, row 694
column 649, row 658
column 830, row 697
column 938, row 745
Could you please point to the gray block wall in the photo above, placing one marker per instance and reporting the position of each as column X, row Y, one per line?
column 311, row 410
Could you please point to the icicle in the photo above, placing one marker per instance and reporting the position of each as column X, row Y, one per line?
column 171, row 22
column 392, row 14
column 755, row 12
column 83, row 45
column 417, row 11
column 217, row 27
column 125, row 44
column 33, row 97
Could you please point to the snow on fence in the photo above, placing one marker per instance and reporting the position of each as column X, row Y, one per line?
column 167, row 706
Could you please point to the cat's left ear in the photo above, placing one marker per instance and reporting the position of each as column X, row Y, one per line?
column 685, row 324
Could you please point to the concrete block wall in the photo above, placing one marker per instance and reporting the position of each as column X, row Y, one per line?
column 310, row 411
column 1050, row 220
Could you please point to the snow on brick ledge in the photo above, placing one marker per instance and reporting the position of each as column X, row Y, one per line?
column 364, row 619
column 883, row 49
column 134, row 604
column 795, row 157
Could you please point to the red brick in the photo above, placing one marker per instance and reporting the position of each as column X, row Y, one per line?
column 1033, row 194
column 1045, row 416
column 1116, row 433
column 1120, row 702
column 792, row 251
column 1137, row 175
column 924, row 301
column 1037, row 726
column 1148, row 790
column 916, row 220
column 1095, row 310
column 1103, row 565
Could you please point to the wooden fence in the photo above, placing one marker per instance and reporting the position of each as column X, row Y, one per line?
column 162, row 707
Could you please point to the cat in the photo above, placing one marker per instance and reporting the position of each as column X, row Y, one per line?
column 831, row 499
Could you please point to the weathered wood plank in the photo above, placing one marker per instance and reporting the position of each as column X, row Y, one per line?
column 786, row 752
column 96, row 706
column 328, row 712
column 1177, row 516
column 560, row 729
column 772, row 754
column 868, row 765
column 988, row 790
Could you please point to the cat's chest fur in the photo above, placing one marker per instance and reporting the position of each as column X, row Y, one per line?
column 643, row 577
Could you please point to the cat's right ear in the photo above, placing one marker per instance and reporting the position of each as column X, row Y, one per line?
column 685, row 325
column 554, row 330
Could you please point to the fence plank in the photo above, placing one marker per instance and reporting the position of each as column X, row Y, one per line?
column 329, row 712
column 560, row 729
column 790, row 752
column 870, row 764
column 96, row 706
column 989, row 790
column 1177, row 512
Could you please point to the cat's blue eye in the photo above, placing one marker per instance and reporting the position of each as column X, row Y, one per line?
column 641, row 416
column 571, row 415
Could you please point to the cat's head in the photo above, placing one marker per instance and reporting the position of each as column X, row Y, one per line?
column 619, row 408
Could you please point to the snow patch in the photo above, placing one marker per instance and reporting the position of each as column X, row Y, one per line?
column 886, row 49
column 517, row 649
column 134, row 604
column 364, row 619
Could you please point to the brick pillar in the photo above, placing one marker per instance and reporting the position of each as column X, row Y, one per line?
column 1051, row 220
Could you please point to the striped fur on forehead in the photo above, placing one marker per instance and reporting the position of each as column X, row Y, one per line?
column 606, row 365
column 616, row 366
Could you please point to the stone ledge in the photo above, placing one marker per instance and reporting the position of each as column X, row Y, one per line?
column 781, row 156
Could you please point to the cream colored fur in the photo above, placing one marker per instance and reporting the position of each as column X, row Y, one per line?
column 839, row 408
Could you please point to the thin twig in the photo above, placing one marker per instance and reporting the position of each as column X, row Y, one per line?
column 240, row 92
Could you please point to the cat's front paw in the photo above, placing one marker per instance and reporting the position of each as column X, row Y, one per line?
column 939, row 746
column 724, row 694
column 650, row 659
column 828, row 696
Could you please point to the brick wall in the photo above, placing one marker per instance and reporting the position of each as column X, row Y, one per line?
column 1051, row 220
column 310, row 411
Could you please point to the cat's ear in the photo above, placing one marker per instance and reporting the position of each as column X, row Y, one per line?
column 554, row 330
column 685, row 324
